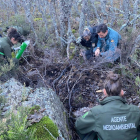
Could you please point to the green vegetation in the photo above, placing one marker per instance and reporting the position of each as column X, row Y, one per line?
column 6, row 67
column 34, row 108
column 73, row 31
column 36, row 19
column 15, row 126
column 17, row 20
column 45, row 129
column 137, row 82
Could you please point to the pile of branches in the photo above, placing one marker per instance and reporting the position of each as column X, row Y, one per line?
column 75, row 81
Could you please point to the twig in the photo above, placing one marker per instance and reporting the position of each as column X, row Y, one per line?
column 49, row 132
column 62, row 73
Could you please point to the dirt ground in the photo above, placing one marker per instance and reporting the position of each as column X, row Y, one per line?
column 75, row 81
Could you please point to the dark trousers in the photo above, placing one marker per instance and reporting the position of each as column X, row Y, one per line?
column 89, row 53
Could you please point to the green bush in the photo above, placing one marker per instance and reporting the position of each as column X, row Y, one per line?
column 17, row 20
column 15, row 128
column 6, row 67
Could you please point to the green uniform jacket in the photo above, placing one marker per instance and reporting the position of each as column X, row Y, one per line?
column 112, row 120
column 5, row 48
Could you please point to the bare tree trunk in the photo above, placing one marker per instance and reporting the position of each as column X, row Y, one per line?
column 54, row 18
column 65, row 10
column 42, row 6
column 15, row 7
column 96, row 13
column 27, row 9
column 82, row 17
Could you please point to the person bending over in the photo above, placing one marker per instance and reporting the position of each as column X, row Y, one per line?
column 108, row 41
column 13, row 37
column 88, row 40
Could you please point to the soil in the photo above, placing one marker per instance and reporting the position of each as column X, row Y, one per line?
column 75, row 81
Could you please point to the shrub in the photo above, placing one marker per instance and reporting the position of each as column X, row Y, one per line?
column 15, row 128
column 6, row 67
column 17, row 20
column 32, row 109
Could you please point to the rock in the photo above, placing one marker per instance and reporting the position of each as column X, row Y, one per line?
column 100, row 84
column 81, row 111
column 102, row 76
column 16, row 94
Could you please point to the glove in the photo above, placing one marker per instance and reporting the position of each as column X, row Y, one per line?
column 78, row 40
column 15, row 49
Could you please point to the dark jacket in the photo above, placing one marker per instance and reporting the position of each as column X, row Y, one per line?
column 93, row 40
column 112, row 120
column 5, row 48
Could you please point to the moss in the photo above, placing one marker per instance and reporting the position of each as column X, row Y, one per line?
column 72, row 47
column 36, row 19
column 121, row 15
column 41, row 133
column 137, row 70
column 73, row 31
column 32, row 109
column 72, row 55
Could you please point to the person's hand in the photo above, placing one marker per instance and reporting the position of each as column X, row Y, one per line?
column 78, row 40
column 17, row 48
column 82, row 52
column 97, row 52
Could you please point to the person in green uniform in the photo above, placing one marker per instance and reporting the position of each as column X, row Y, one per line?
column 113, row 119
column 13, row 37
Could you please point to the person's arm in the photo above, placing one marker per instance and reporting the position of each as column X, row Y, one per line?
column 80, row 42
column 113, row 42
column 98, row 44
column 97, row 49
column 7, row 53
column 112, row 47
column 85, row 123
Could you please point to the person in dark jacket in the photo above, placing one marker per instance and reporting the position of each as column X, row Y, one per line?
column 88, row 40
column 114, row 119
column 108, row 41
column 6, row 43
